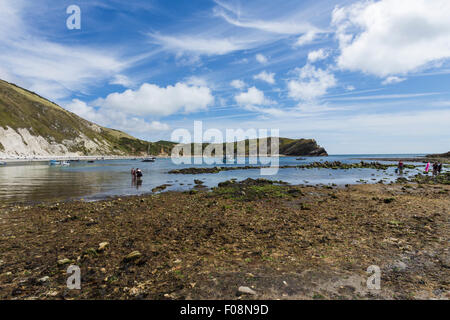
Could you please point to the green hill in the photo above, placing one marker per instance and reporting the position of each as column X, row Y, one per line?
column 31, row 125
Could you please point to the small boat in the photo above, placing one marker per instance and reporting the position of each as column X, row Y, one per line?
column 150, row 159
column 300, row 159
column 59, row 163
column 2, row 163
column 91, row 161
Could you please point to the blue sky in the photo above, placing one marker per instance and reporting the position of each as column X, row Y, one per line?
column 358, row 76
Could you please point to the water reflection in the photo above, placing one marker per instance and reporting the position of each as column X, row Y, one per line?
column 40, row 182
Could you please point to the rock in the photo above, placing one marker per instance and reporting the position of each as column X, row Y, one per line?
column 198, row 181
column 102, row 246
column 246, row 290
column 44, row 279
column 2, row 262
column 64, row 261
column 399, row 266
column 132, row 256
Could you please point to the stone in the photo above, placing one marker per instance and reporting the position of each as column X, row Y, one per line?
column 64, row 261
column 399, row 266
column 246, row 290
column 44, row 279
column 102, row 246
column 132, row 256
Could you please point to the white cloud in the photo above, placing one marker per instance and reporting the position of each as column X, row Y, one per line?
column 238, row 84
column 53, row 70
column 317, row 55
column 311, row 83
column 122, row 80
column 200, row 45
column 261, row 58
column 279, row 27
column 265, row 76
column 393, row 79
column 306, row 38
column 252, row 97
column 115, row 119
column 390, row 37
column 350, row 88
column 151, row 99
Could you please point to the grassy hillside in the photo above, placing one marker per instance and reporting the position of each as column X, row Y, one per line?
column 20, row 108
column 288, row 147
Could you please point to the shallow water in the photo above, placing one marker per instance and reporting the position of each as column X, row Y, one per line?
column 40, row 182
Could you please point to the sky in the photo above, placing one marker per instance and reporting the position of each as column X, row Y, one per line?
column 360, row 77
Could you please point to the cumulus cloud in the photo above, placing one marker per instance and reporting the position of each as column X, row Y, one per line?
column 306, row 38
column 393, row 79
column 252, row 97
column 238, row 84
column 390, row 37
column 151, row 99
column 317, row 55
column 311, row 83
column 114, row 119
column 261, row 58
column 265, row 76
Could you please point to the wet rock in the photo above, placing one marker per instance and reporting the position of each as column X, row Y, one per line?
column 133, row 256
column 102, row 246
column 399, row 266
column 246, row 290
column 198, row 181
column 64, row 261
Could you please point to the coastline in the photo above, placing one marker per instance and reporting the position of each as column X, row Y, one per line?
column 204, row 245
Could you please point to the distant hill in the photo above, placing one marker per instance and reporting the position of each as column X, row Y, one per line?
column 439, row 155
column 33, row 126
column 287, row 147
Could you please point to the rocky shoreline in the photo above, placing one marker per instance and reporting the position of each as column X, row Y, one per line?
column 326, row 165
column 280, row 241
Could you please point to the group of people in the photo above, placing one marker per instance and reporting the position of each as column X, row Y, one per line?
column 437, row 168
column 136, row 173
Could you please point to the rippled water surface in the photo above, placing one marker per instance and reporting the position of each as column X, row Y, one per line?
column 41, row 182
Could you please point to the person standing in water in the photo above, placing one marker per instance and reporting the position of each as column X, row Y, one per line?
column 400, row 166
column 439, row 168
column 427, row 167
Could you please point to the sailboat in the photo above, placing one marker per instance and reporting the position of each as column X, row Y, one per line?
column 150, row 158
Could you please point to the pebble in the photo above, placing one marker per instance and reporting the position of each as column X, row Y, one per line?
column 64, row 261
column 399, row 266
column 44, row 279
column 102, row 246
column 246, row 290
column 132, row 256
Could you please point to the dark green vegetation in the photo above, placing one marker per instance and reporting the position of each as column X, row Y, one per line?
column 20, row 108
column 443, row 178
column 327, row 165
column 286, row 146
column 441, row 155
column 283, row 241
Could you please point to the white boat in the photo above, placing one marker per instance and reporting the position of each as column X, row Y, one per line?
column 59, row 163
column 2, row 163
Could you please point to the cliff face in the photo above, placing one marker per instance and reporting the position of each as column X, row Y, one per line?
column 440, row 155
column 33, row 126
